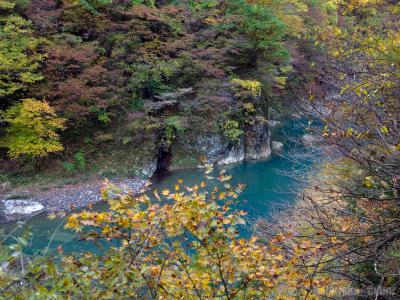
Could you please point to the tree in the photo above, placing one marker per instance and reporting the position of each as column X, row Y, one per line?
column 262, row 29
column 6, row 5
column 91, row 5
column 290, row 12
column 32, row 130
column 354, row 204
column 19, row 57
column 78, row 80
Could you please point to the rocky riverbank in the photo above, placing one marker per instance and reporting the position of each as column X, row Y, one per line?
column 61, row 198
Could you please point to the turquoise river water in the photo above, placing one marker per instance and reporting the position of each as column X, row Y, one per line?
column 270, row 185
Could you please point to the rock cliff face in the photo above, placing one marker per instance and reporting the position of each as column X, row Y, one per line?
column 257, row 142
column 219, row 150
column 253, row 145
column 200, row 140
column 235, row 153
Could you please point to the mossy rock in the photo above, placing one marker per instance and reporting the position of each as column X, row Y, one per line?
column 182, row 159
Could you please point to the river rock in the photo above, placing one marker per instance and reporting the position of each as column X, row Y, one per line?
column 276, row 146
column 21, row 207
column 150, row 168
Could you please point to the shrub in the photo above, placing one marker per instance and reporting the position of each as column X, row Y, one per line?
column 173, row 125
column 102, row 115
column 33, row 129
column 231, row 130
column 93, row 5
column 69, row 166
column 245, row 89
column 104, row 138
column 80, row 161
column 149, row 3
column 175, row 122
column 149, row 79
column 203, row 4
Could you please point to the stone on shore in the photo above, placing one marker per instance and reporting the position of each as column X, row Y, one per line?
column 21, row 207
column 277, row 147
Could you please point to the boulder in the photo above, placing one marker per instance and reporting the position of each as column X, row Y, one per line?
column 5, row 267
column 213, row 146
column 277, row 147
column 150, row 168
column 21, row 207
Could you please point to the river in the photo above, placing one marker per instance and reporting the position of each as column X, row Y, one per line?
column 270, row 186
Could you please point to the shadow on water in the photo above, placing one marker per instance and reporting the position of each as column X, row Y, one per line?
column 268, row 189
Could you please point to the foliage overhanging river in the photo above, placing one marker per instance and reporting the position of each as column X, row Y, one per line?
column 270, row 185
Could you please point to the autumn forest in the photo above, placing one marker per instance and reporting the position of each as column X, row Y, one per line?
column 101, row 101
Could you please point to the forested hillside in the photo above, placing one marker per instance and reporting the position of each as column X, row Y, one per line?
column 155, row 83
column 128, row 88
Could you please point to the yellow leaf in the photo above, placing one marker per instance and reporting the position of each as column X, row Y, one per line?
column 226, row 221
column 384, row 130
column 279, row 257
column 156, row 195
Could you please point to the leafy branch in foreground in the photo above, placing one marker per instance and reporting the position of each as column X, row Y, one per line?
column 175, row 244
